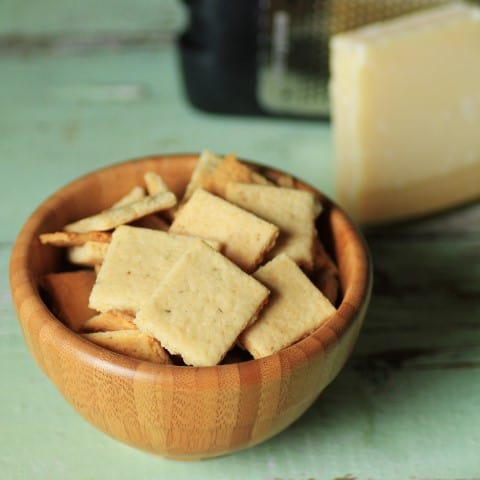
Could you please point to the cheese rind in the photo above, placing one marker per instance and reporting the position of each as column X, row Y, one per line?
column 406, row 114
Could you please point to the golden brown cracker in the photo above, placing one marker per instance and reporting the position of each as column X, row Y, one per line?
column 136, row 262
column 231, row 170
column 295, row 308
column 246, row 238
column 109, row 219
column 155, row 183
column 109, row 321
column 201, row 306
column 206, row 165
column 72, row 239
column 132, row 343
column 293, row 211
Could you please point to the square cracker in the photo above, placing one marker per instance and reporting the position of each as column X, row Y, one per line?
column 246, row 237
column 295, row 308
column 230, row 169
column 293, row 211
column 201, row 306
column 132, row 343
column 136, row 261
column 69, row 292
column 212, row 173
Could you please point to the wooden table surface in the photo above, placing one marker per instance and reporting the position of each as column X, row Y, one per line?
column 92, row 83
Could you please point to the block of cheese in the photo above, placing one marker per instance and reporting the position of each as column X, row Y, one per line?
column 406, row 114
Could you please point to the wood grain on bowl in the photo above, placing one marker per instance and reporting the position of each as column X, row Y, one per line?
column 175, row 411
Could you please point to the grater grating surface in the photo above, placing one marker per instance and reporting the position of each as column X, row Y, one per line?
column 293, row 52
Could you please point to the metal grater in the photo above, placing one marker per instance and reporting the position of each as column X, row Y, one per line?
column 293, row 39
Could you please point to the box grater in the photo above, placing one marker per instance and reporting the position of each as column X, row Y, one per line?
column 271, row 56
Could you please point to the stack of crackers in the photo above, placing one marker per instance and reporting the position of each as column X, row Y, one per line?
column 232, row 270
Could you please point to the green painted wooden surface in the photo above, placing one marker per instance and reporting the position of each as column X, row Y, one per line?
column 89, row 84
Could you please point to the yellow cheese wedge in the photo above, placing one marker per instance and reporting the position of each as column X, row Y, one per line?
column 406, row 113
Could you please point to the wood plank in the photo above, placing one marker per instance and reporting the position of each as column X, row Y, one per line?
column 425, row 306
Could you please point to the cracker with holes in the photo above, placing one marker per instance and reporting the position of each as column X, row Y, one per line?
column 116, row 216
column 69, row 292
column 136, row 261
column 293, row 211
column 295, row 308
column 109, row 322
column 132, row 343
column 246, row 237
column 201, row 306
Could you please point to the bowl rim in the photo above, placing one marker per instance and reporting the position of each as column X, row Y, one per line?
column 316, row 343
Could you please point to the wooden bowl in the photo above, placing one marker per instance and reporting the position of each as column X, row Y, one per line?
column 181, row 412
